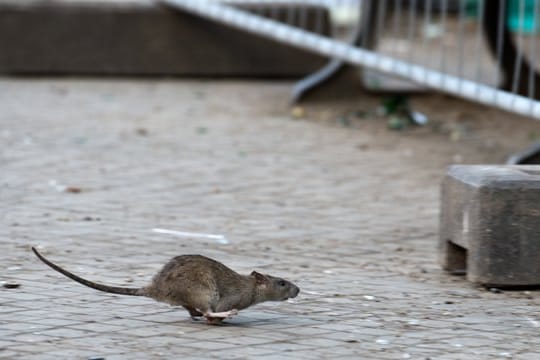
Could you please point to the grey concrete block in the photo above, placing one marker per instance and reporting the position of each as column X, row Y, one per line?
column 141, row 37
column 490, row 224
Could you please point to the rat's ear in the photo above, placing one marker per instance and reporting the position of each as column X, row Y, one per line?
column 259, row 278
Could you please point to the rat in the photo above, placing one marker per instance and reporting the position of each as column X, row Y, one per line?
column 203, row 286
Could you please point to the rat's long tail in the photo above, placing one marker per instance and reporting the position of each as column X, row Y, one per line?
column 93, row 285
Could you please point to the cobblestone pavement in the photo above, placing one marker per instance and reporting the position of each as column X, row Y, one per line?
column 350, row 216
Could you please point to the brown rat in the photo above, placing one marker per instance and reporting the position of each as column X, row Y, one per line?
column 203, row 286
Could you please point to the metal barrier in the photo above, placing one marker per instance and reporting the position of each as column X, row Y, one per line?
column 481, row 50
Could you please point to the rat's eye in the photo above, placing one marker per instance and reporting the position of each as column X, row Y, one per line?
column 282, row 283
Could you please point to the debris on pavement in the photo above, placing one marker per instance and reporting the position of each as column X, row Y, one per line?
column 64, row 188
column 11, row 285
column 399, row 113
column 73, row 189
column 220, row 239
column 298, row 112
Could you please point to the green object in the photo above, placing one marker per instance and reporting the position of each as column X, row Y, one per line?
column 400, row 115
column 521, row 17
column 397, row 123
column 394, row 104
column 471, row 8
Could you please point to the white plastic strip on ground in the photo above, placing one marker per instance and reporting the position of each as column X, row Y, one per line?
column 467, row 89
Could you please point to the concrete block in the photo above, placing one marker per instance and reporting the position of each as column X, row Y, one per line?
column 490, row 224
column 142, row 37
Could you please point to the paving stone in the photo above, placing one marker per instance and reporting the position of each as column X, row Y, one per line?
column 31, row 338
column 276, row 356
column 64, row 332
column 245, row 352
column 319, row 342
column 527, row 356
column 8, row 354
column 285, row 346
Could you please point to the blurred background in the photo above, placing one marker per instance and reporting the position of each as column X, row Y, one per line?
column 482, row 51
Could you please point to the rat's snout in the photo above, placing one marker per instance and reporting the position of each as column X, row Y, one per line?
column 295, row 291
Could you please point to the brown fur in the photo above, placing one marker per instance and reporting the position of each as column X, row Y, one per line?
column 204, row 287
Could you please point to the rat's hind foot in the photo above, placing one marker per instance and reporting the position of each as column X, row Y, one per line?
column 220, row 315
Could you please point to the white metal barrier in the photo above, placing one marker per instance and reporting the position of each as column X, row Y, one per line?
column 441, row 45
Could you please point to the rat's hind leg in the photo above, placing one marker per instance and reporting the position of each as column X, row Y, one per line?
column 194, row 313
column 204, row 303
